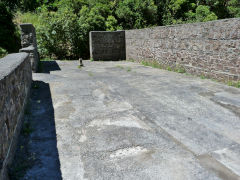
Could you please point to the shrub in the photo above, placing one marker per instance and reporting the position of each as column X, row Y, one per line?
column 9, row 36
column 204, row 14
column 3, row 52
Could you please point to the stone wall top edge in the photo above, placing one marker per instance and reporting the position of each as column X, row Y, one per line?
column 27, row 27
column 189, row 24
column 10, row 62
column 26, row 49
column 107, row 31
column 26, row 24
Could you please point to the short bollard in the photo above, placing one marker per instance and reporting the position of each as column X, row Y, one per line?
column 80, row 62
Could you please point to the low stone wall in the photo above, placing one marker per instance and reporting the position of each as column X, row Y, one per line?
column 29, row 44
column 107, row 45
column 15, row 83
column 211, row 49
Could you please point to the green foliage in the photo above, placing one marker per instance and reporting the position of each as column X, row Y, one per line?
column 111, row 24
column 9, row 37
column 63, row 26
column 136, row 13
column 3, row 52
column 234, row 84
column 233, row 8
column 204, row 14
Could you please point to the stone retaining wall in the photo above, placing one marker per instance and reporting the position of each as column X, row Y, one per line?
column 15, row 83
column 107, row 45
column 211, row 49
column 29, row 44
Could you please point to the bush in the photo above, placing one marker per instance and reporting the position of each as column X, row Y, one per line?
column 3, row 52
column 204, row 14
column 9, row 35
column 134, row 14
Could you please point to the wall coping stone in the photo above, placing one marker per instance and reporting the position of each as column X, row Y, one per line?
column 188, row 24
column 27, row 49
column 27, row 27
column 10, row 62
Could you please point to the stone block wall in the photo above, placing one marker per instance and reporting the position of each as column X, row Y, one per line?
column 211, row 49
column 107, row 45
column 15, row 83
column 29, row 44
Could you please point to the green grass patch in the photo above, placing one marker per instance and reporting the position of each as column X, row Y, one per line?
column 90, row 73
column 203, row 77
column 79, row 67
column 119, row 66
column 129, row 69
column 27, row 129
column 152, row 64
column 28, row 17
column 46, row 59
column 234, row 84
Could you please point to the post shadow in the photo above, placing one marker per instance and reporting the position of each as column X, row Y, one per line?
column 37, row 154
column 48, row 66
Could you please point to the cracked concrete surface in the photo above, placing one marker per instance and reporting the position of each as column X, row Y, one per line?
column 121, row 120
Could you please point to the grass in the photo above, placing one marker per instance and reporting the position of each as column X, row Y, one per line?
column 234, row 84
column 180, row 69
column 121, row 67
column 90, row 73
column 154, row 64
column 128, row 69
column 203, row 77
column 27, row 17
column 46, row 59
column 79, row 67
column 27, row 129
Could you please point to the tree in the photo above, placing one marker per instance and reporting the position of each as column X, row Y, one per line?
column 9, row 37
column 136, row 13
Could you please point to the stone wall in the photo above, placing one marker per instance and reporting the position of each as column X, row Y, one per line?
column 211, row 49
column 15, row 83
column 29, row 44
column 107, row 45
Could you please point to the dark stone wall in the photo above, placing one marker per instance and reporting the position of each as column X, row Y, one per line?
column 15, row 83
column 107, row 45
column 211, row 49
column 29, row 44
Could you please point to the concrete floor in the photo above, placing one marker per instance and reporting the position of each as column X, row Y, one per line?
column 121, row 120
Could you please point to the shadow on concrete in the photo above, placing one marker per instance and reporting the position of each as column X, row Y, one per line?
column 37, row 154
column 49, row 66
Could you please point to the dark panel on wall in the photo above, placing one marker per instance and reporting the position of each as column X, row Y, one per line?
column 106, row 45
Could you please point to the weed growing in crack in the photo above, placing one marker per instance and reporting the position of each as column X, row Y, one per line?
column 90, row 74
column 234, row 84
column 27, row 129
column 129, row 69
column 203, row 77
column 118, row 66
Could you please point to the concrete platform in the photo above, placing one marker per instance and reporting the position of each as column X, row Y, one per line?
column 121, row 120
